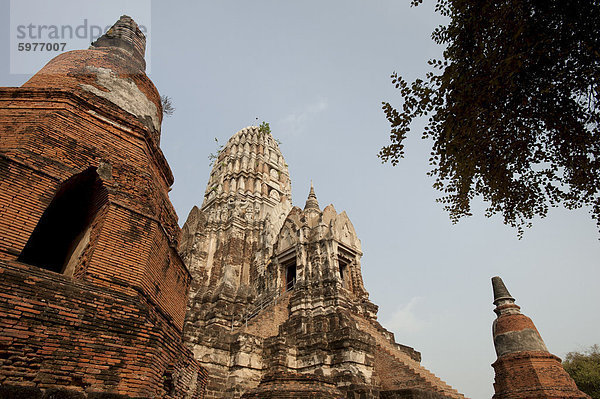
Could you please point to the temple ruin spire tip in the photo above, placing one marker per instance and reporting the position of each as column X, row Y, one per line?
column 311, row 201
column 125, row 34
column 500, row 290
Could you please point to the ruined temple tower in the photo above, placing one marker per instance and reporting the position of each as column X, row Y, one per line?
column 277, row 303
column 525, row 368
column 93, row 290
column 95, row 273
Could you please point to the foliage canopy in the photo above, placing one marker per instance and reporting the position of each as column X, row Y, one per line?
column 513, row 107
column 584, row 368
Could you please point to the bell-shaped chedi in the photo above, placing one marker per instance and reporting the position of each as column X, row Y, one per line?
column 524, row 368
column 109, row 74
column 94, row 289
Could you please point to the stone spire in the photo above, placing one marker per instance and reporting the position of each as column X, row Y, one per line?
column 250, row 167
column 524, row 363
column 505, row 303
column 500, row 290
column 226, row 241
column 125, row 34
column 311, row 201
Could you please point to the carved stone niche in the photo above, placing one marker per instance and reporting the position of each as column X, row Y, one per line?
column 288, row 269
column 274, row 194
column 346, row 263
column 286, row 239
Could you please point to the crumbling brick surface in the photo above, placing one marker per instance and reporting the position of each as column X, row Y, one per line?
column 92, row 289
column 515, row 322
column 46, row 140
column 60, row 332
column 410, row 394
column 398, row 368
column 533, row 375
column 267, row 323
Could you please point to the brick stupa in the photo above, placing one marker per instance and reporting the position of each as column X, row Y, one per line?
column 93, row 291
column 524, row 368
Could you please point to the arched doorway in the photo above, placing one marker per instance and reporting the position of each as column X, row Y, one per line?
column 63, row 231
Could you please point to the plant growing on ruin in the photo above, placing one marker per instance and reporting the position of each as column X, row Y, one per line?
column 167, row 105
column 213, row 156
column 264, row 128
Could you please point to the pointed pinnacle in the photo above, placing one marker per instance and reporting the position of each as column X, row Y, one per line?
column 125, row 34
column 312, row 202
column 500, row 290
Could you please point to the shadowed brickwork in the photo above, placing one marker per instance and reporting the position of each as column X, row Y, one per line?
column 93, row 290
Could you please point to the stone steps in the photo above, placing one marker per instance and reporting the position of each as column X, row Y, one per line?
column 406, row 363
column 427, row 378
column 266, row 323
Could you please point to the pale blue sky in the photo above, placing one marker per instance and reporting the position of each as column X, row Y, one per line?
column 318, row 71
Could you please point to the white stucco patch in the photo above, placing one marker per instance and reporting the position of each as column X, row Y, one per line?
column 124, row 93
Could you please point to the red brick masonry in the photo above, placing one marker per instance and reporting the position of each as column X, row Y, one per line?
column 92, row 289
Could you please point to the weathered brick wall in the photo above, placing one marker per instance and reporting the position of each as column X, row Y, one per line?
column 533, row 374
column 59, row 332
column 267, row 323
column 50, row 135
column 392, row 374
column 20, row 209
column 101, row 313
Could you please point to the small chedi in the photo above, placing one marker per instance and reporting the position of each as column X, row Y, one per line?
column 277, row 305
column 525, row 368
column 92, row 288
